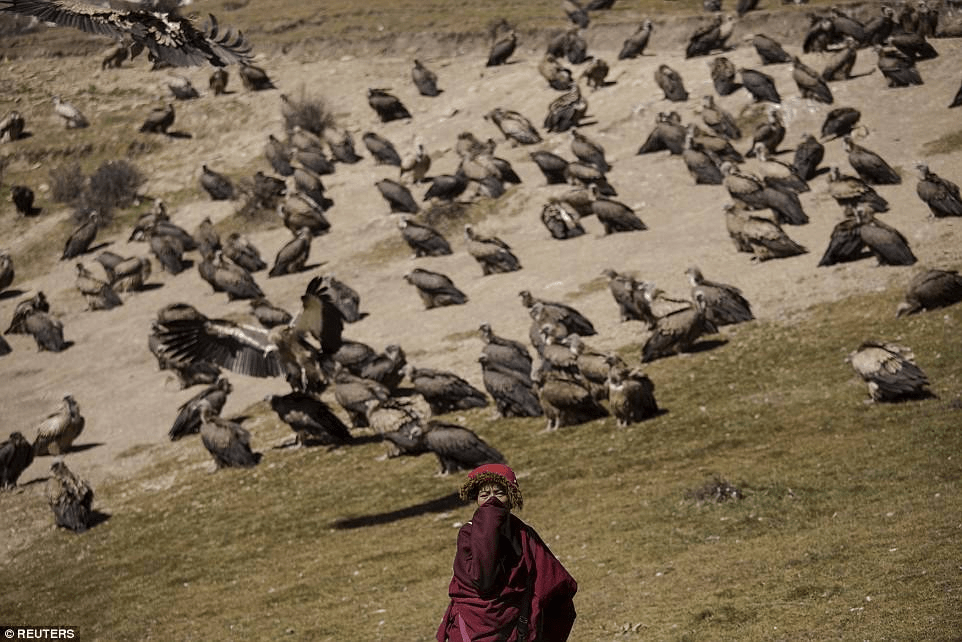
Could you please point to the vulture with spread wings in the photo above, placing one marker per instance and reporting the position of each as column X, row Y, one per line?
column 168, row 37
column 302, row 350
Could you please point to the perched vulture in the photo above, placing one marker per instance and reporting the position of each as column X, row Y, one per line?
column 46, row 331
column 16, row 455
column 846, row 241
column 445, row 391
column 719, row 120
column 573, row 321
column 268, row 314
column 456, row 447
column 6, row 270
column 677, row 331
column 70, row 498
column 810, row 83
column 353, row 393
column 387, row 106
column 300, row 210
column 723, row 78
column 159, row 119
column 423, row 239
column 446, row 187
column 931, row 289
column 398, row 196
column 224, row 276
column 576, row 13
column 386, row 368
column 502, row 50
column 778, row 174
column 940, row 194
column 595, row 73
column 218, row 81
column 381, row 149
column 566, row 111
column 311, row 419
column 506, row 352
column 614, row 215
column 168, row 37
column 762, row 237
column 416, row 166
column 760, row 85
column 424, row 79
column 871, row 167
column 840, row 122
column 770, row 133
column 396, row 413
column 254, row 78
column 73, row 118
column 188, row 418
column 513, row 391
column 344, row 297
column 566, row 400
column 561, row 223
column 671, row 84
column 259, row 352
column 888, row 245
column 754, row 194
column 98, row 294
column 228, row 442
column 899, row 70
column 435, row 289
column 631, row 395
column 701, row 165
column 57, row 432
column 635, row 44
column 850, row 190
column 808, row 154
column 913, row 45
column 82, row 237
column 724, row 304
column 514, row 126
column 710, row 37
column 181, row 88
column 628, row 294
column 218, row 186
column 493, row 254
column 667, row 134
column 11, row 126
column 293, row 255
column 890, row 371
column 770, row 50
column 839, row 66
column 22, row 197
column 241, row 251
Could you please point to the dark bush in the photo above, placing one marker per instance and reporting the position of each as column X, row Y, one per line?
column 309, row 113
column 113, row 185
column 67, row 183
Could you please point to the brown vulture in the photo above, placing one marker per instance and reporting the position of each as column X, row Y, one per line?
column 445, row 391
column 631, row 395
column 311, row 419
column 57, row 432
column 16, row 454
column 890, row 371
column 228, row 442
column 188, row 419
column 457, row 448
column 70, row 498
column 931, row 289
column 724, row 304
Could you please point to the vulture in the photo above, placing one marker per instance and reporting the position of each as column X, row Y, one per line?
column 899, row 70
column 770, row 50
column 820, row 35
column 719, row 120
column 514, row 126
column 311, row 419
column 22, row 197
column 940, row 194
column 871, row 167
column 844, row 25
column 423, row 239
column 566, row 400
column 808, row 154
column 770, row 133
column 217, row 82
column 493, row 254
column 754, row 194
column 671, row 84
column 217, row 186
column 913, row 46
column 615, row 216
column 445, row 391
column 931, row 289
column 238, row 249
column 82, row 237
column 159, row 119
column 72, row 117
column 502, row 50
column 760, row 85
column 566, row 111
column 513, row 391
column 576, row 13
column 628, row 294
column 507, row 352
column 778, row 174
column 435, row 289
column 398, row 196
column 840, row 122
column 11, row 126
column 890, row 371
column 387, row 106
column 70, row 498
column 224, row 276
column 57, row 432
column 312, row 160
column 557, row 75
column 762, row 237
column 293, row 255
column 677, row 331
column 341, row 144
column 16, row 455
column 456, row 447
column 846, row 242
column 268, row 314
column 573, row 321
column 575, row 47
column 631, row 395
column 30, row 318
column 561, row 223
column 667, row 134
column 353, row 393
column 98, row 294
column 724, row 304
column 879, row 28
column 744, row 6
column 424, row 79
column 810, row 83
column 723, row 76
column 188, row 419
column 416, row 166
column 446, row 187
column 206, row 236
column 168, row 37
column 595, row 73
column 345, row 298
column 259, row 352
column 839, row 66
column 849, row 190
column 710, row 37
column 228, row 442
column 6, row 270
column 887, row 244
column 300, row 210
column 635, row 44
column 381, row 149
column 701, row 165
column 957, row 99
column 396, row 413
column 181, row 88
column 254, row 78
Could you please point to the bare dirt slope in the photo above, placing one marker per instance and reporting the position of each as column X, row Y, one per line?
column 129, row 404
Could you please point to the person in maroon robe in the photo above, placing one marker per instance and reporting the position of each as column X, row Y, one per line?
column 507, row 585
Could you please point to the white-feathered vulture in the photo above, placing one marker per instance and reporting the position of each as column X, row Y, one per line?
column 167, row 36
column 890, row 371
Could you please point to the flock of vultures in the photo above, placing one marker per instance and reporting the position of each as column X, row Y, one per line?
column 339, row 386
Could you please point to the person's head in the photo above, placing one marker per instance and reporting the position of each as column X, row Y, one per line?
column 493, row 480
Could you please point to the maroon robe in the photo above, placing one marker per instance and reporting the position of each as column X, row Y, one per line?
column 496, row 554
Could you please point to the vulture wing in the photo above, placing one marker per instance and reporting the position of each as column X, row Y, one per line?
column 320, row 317
column 239, row 348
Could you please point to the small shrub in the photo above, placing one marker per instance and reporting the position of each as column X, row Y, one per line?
column 309, row 113
column 67, row 183
column 113, row 185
